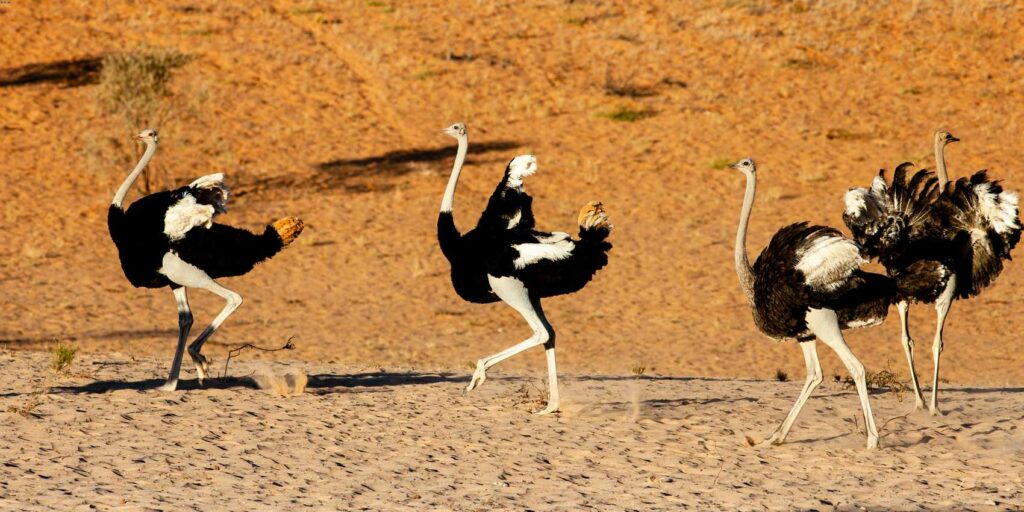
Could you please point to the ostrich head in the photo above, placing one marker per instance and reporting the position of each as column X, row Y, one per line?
column 746, row 166
column 457, row 130
column 149, row 136
column 942, row 137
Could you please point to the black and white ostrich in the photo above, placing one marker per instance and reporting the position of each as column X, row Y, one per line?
column 169, row 239
column 808, row 284
column 939, row 240
column 504, row 258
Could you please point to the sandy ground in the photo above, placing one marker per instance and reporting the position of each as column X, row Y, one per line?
column 401, row 439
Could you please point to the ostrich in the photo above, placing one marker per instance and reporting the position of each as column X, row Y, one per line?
column 939, row 240
column 504, row 258
column 808, row 284
column 169, row 239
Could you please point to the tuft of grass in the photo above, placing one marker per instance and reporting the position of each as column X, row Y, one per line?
column 882, row 380
column 61, row 357
column 911, row 91
column 812, row 176
column 844, row 134
column 719, row 162
column 639, row 370
column 799, row 64
column 623, row 86
column 781, row 376
column 301, row 11
column 625, row 114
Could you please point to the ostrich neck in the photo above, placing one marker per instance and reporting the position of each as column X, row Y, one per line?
column 130, row 180
column 940, row 162
column 448, row 201
column 743, row 270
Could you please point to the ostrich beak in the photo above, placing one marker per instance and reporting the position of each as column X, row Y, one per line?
column 951, row 138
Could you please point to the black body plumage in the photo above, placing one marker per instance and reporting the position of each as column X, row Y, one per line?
column 782, row 295
column 220, row 250
column 489, row 250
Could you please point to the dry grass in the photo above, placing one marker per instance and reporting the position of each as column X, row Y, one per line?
column 61, row 357
column 626, row 114
column 882, row 380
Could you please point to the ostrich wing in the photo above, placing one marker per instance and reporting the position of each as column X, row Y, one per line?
column 195, row 205
column 889, row 215
column 553, row 250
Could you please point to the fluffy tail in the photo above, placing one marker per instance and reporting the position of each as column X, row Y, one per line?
column 591, row 253
column 984, row 220
column 287, row 229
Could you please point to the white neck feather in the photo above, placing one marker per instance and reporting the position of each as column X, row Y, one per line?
column 743, row 270
column 448, row 201
column 130, row 180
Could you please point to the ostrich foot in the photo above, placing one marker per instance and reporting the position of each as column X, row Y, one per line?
column 552, row 407
column 919, row 404
column 776, row 439
column 202, row 365
column 171, row 385
column 479, row 376
column 934, row 410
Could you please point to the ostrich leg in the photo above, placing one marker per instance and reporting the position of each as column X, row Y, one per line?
column 825, row 326
column 513, row 293
column 813, row 379
column 184, row 325
column 941, row 310
column 908, row 348
column 233, row 301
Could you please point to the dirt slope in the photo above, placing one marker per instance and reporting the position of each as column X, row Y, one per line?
column 332, row 111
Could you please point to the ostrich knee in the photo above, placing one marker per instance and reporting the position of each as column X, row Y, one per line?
column 184, row 320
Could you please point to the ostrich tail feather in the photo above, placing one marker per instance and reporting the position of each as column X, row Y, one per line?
column 593, row 220
column 288, row 229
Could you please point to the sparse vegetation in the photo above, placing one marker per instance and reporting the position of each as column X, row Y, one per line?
column 638, row 370
column 719, row 162
column 799, row 64
column 844, row 134
column 623, row 85
column 882, row 380
column 781, row 376
column 61, row 357
column 626, row 114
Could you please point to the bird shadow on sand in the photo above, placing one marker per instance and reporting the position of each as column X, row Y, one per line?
column 106, row 386
column 378, row 173
column 323, row 382
column 381, row 379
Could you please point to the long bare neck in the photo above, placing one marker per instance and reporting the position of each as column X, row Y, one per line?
column 940, row 162
column 130, row 180
column 448, row 201
column 743, row 270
